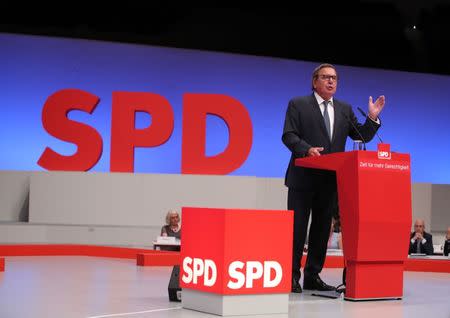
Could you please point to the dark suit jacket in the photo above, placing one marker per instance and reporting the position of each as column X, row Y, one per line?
column 446, row 247
column 426, row 248
column 304, row 127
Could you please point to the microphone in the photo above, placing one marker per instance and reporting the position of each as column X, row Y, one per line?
column 357, row 130
column 371, row 123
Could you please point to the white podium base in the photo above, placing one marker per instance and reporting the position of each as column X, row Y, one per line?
column 233, row 305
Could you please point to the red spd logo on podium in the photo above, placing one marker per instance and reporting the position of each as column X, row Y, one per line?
column 384, row 151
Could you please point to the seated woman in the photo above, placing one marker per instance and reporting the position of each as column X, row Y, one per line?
column 172, row 228
column 335, row 239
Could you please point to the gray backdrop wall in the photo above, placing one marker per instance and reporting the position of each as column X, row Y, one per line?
column 129, row 209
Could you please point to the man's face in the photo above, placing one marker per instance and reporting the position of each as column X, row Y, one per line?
column 419, row 226
column 326, row 82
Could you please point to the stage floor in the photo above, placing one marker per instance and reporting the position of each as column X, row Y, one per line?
column 83, row 286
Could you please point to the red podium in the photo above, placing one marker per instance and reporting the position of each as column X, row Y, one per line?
column 374, row 190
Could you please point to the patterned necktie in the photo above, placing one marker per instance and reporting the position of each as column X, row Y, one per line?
column 418, row 246
column 326, row 118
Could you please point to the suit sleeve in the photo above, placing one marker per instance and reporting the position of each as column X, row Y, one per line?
column 428, row 246
column 291, row 132
column 446, row 247
column 411, row 247
column 367, row 130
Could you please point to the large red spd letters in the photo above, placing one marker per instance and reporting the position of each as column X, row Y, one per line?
column 125, row 137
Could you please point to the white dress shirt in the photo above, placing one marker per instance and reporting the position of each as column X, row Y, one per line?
column 320, row 101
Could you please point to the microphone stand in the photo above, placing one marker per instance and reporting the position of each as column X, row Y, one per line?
column 357, row 130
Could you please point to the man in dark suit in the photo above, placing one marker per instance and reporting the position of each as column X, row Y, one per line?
column 446, row 247
column 420, row 241
column 318, row 124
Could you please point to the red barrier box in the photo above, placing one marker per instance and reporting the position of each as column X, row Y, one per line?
column 230, row 252
column 158, row 259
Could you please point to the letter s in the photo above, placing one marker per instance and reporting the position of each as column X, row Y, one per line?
column 88, row 140
column 238, row 276
column 187, row 275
